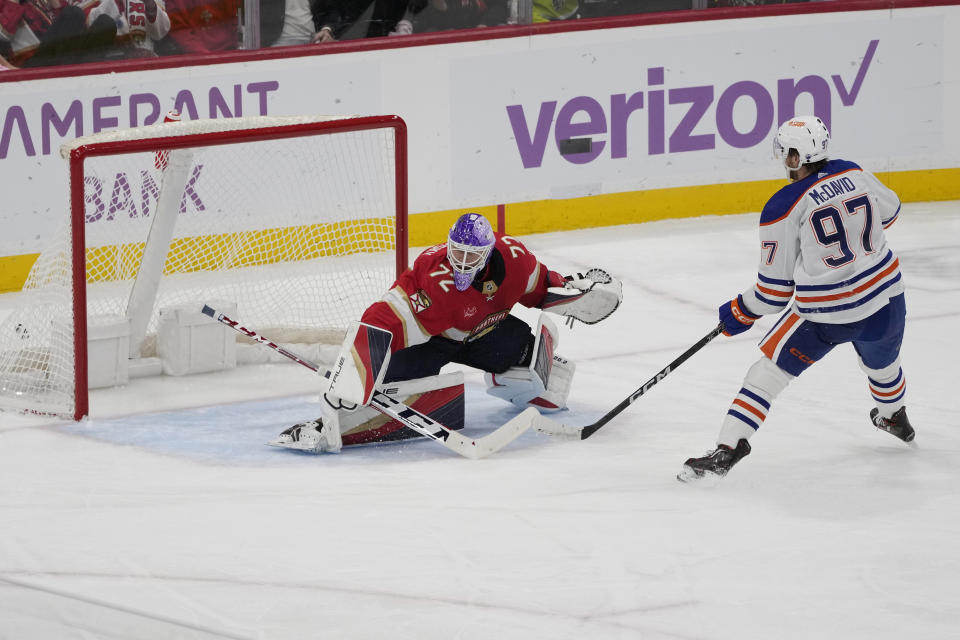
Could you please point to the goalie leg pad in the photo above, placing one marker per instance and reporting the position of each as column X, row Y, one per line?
column 545, row 383
column 517, row 385
column 524, row 388
column 558, row 387
column 440, row 397
column 361, row 364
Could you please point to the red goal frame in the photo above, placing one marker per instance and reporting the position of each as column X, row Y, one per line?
column 79, row 154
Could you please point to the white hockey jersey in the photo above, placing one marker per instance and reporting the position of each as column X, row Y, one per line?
column 822, row 241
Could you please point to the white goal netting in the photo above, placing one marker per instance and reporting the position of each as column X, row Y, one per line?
column 295, row 220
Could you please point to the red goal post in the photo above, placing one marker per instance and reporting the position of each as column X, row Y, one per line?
column 299, row 221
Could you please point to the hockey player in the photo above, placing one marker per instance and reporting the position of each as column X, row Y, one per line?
column 453, row 306
column 822, row 244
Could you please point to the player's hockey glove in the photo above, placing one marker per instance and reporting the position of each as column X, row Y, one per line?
column 735, row 316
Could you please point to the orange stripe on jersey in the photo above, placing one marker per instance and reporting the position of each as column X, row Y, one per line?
column 773, row 292
column 769, row 345
column 753, row 410
column 866, row 285
column 886, row 394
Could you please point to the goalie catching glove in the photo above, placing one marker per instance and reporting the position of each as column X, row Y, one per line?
column 588, row 297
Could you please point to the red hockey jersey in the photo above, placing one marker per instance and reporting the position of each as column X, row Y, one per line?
column 424, row 302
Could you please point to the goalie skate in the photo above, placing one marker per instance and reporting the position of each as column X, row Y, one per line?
column 308, row 436
column 716, row 463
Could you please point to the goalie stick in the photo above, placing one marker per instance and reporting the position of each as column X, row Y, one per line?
column 551, row 427
column 473, row 448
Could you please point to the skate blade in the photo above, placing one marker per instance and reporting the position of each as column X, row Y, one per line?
column 296, row 446
column 912, row 442
column 689, row 476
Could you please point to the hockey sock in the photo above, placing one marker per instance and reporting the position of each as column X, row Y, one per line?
column 764, row 382
column 887, row 386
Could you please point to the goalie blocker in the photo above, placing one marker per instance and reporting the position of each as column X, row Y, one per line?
column 360, row 365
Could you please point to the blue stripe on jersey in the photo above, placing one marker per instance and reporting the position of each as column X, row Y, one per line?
column 759, row 400
column 772, row 303
column 850, row 305
column 887, row 223
column 783, row 201
column 781, row 283
column 846, row 283
column 836, row 166
column 740, row 416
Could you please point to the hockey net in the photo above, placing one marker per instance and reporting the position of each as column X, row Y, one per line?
column 298, row 221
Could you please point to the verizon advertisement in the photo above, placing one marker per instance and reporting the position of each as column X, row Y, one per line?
column 647, row 113
column 545, row 116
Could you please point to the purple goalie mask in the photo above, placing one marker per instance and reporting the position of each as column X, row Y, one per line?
column 469, row 245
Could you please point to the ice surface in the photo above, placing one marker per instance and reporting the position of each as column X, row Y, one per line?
column 165, row 516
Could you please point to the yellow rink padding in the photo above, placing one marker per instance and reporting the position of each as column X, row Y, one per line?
column 14, row 270
column 220, row 251
column 542, row 216
column 539, row 216
column 246, row 248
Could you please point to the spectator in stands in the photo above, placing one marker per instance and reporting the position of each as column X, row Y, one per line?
column 550, row 10
column 321, row 21
column 47, row 32
column 335, row 19
column 201, row 26
column 750, row 3
column 140, row 23
column 6, row 52
column 22, row 24
column 393, row 17
column 271, row 21
column 441, row 15
column 288, row 22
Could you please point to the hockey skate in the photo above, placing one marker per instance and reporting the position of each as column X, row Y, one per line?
column 716, row 463
column 312, row 436
column 897, row 424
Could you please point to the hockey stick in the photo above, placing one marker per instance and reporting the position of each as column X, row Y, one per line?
column 473, row 448
column 551, row 427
